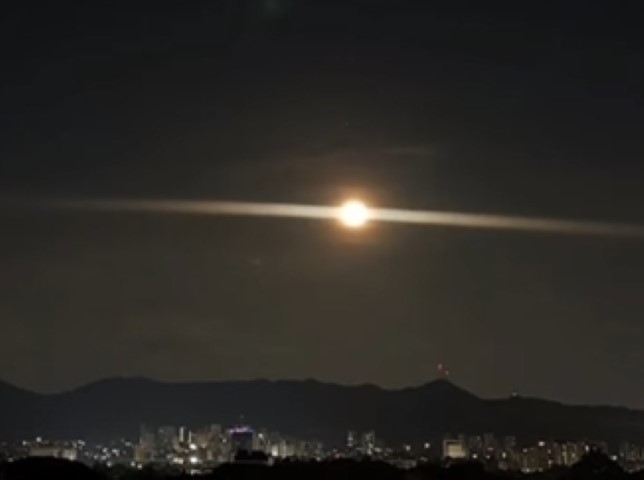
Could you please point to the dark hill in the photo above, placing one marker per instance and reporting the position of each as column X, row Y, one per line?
column 308, row 409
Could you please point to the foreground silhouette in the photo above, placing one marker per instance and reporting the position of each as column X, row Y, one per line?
column 594, row 466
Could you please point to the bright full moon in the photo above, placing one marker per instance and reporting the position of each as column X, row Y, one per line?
column 354, row 214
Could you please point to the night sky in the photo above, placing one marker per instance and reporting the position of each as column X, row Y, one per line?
column 518, row 107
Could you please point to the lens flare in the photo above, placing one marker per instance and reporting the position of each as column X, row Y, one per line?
column 354, row 214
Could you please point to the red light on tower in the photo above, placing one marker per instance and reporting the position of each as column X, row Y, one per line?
column 443, row 371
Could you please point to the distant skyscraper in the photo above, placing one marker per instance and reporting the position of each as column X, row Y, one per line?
column 146, row 436
column 144, row 451
column 368, row 442
column 166, row 438
column 629, row 452
column 242, row 438
column 351, row 440
column 183, row 435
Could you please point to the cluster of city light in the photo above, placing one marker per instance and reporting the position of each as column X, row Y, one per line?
column 504, row 453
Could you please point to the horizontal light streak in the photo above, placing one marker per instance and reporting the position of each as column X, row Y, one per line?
column 419, row 217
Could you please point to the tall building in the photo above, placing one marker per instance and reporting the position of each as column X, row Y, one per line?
column 529, row 460
column 629, row 452
column 263, row 441
column 206, row 437
column 145, row 450
column 368, row 442
column 183, row 435
column 242, row 439
column 205, row 443
column 351, row 440
column 146, row 436
column 142, row 453
column 166, row 436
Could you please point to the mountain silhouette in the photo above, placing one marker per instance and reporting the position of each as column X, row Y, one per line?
column 308, row 409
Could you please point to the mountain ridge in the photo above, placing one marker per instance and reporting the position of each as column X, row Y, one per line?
column 148, row 380
column 116, row 407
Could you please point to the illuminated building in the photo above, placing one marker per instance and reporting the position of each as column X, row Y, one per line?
column 53, row 451
column 206, row 437
column 166, row 437
column 146, row 436
column 283, row 449
column 454, row 448
column 571, row 453
column 145, row 450
column 142, row 454
column 368, row 442
column 630, row 453
column 206, row 443
column 263, row 441
column 351, row 439
column 242, row 439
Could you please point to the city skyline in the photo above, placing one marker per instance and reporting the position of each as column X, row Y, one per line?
column 199, row 449
column 307, row 410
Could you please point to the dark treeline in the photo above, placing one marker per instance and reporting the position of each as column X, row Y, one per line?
column 592, row 467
